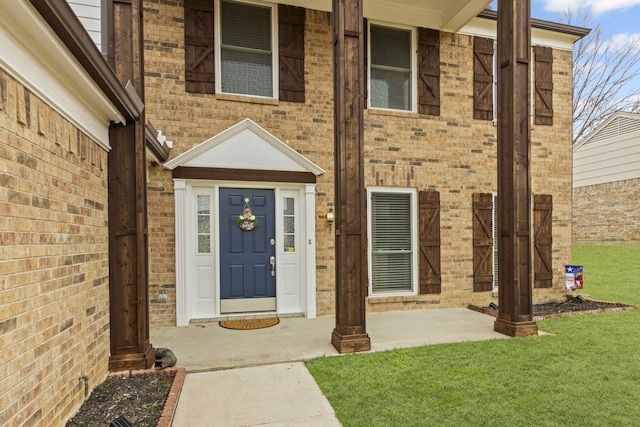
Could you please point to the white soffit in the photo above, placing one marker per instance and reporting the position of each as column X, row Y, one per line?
column 445, row 15
column 489, row 28
column 245, row 146
column 33, row 55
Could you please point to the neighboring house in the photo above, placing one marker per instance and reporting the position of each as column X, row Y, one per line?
column 245, row 91
column 606, row 182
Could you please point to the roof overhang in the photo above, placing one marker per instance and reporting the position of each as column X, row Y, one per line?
column 46, row 49
column 444, row 15
column 545, row 33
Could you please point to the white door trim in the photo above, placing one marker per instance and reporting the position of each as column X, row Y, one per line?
column 183, row 195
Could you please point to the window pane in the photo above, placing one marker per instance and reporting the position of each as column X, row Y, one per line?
column 289, row 206
column 246, row 25
column 390, row 47
column 390, row 68
column 391, row 242
column 203, row 204
column 391, row 272
column 390, row 89
column 289, row 243
column 204, row 244
column 289, row 224
column 204, row 224
column 246, row 73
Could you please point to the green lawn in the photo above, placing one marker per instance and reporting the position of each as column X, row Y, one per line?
column 586, row 374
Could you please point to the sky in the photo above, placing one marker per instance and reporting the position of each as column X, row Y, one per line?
column 619, row 21
column 614, row 16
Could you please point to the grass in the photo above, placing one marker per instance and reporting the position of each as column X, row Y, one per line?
column 586, row 374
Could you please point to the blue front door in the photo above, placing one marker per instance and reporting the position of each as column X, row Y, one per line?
column 247, row 258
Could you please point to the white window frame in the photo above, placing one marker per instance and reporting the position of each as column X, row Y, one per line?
column 495, row 241
column 414, row 239
column 495, row 80
column 274, row 48
column 413, row 102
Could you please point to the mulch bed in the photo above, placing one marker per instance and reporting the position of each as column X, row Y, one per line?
column 571, row 307
column 145, row 398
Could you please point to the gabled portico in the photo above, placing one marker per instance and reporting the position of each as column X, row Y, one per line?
column 244, row 162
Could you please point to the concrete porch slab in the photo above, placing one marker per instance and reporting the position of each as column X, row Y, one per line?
column 207, row 346
column 271, row 386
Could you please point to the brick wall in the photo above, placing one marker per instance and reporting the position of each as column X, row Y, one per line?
column 607, row 212
column 453, row 154
column 54, row 314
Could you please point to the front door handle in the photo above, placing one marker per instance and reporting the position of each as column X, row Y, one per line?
column 272, row 260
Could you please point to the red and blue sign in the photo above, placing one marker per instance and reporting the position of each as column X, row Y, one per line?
column 574, row 276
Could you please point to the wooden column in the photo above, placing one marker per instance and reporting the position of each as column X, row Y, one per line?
column 128, row 240
column 350, row 333
column 515, row 314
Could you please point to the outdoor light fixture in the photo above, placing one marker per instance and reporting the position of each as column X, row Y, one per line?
column 330, row 217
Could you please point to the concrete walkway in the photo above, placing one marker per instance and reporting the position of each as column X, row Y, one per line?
column 255, row 377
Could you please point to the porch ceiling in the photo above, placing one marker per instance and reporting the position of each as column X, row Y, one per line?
column 445, row 15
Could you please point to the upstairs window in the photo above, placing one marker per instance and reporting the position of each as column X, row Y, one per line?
column 246, row 49
column 391, row 75
column 239, row 55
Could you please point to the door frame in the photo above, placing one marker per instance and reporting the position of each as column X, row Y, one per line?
column 305, row 230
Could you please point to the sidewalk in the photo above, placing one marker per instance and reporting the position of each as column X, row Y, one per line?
column 256, row 378
column 271, row 395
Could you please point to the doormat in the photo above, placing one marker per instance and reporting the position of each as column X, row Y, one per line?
column 250, row 323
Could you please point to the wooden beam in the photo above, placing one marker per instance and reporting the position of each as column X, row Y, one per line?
column 350, row 333
column 128, row 236
column 515, row 314
column 224, row 174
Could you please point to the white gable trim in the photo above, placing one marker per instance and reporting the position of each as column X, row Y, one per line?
column 222, row 150
column 33, row 55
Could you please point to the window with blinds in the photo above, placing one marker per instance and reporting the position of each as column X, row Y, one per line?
column 391, row 242
column 246, row 49
column 495, row 241
column 391, row 75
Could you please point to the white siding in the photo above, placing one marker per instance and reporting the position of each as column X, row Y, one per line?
column 88, row 11
column 613, row 154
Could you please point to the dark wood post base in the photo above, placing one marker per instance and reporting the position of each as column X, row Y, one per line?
column 133, row 361
column 350, row 343
column 516, row 329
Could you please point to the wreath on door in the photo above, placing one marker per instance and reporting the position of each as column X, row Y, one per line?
column 246, row 221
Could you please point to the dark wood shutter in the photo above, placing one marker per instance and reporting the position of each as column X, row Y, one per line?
column 544, row 85
column 291, row 22
column 542, row 241
column 429, row 264
column 198, row 46
column 482, row 78
column 482, row 242
column 429, row 72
